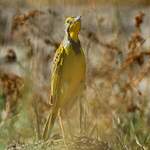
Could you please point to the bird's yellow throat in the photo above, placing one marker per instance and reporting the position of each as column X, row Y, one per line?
column 74, row 36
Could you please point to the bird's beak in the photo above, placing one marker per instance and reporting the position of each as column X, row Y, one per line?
column 78, row 18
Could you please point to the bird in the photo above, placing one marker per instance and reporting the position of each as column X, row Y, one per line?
column 68, row 72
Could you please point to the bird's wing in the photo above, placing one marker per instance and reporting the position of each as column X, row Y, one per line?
column 56, row 80
column 56, row 73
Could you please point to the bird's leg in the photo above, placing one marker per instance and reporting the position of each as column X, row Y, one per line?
column 69, row 126
column 62, row 128
column 81, row 117
column 82, row 111
column 60, row 123
column 46, row 128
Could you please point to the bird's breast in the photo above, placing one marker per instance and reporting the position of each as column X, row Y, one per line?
column 73, row 74
column 74, row 63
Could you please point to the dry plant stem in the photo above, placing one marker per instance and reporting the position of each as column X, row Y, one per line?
column 62, row 128
column 91, row 133
column 37, row 120
column 81, row 117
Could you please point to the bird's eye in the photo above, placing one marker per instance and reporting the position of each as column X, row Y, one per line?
column 68, row 21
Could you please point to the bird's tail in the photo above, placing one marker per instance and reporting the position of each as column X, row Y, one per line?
column 49, row 124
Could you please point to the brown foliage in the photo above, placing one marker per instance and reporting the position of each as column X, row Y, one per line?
column 139, row 20
column 20, row 20
column 12, row 86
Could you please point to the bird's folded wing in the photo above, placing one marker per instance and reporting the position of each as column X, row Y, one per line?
column 56, row 73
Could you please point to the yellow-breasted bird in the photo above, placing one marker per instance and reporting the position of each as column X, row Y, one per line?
column 68, row 71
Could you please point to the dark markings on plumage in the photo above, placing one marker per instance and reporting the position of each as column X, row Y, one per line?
column 76, row 46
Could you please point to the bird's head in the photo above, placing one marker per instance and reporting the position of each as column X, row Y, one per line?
column 73, row 26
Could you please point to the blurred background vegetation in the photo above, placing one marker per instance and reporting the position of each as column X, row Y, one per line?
column 116, row 41
column 75, row 2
